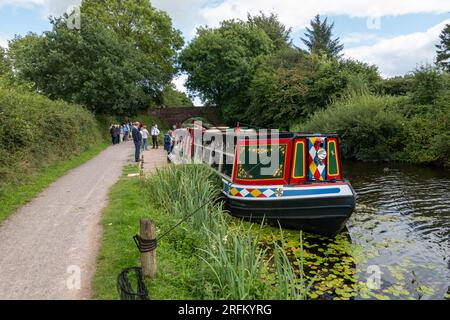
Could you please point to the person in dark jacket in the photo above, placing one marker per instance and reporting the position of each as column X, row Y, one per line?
column 111, row 132
column 137, row 138
column 168, row 141
column 117, row 133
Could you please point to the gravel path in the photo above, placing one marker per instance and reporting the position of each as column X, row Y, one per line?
column 48, row 247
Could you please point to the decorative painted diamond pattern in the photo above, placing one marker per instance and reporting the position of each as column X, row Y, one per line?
column 256, row 193
column 252, row 192
column 269, row 193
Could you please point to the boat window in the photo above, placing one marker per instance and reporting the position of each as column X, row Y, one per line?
column 299, row 160
column 332, row 164
column 227, row 165
column 214, row 161
column 261, row 162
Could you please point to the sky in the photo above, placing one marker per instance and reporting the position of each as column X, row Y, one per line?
column 395, row 35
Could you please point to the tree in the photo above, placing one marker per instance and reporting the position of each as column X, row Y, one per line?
column 277, row 32
column 5, row 64
column 171, row 97
column 220, row 64
column 319, row 40
column 148, row 29
column 288, row 87
column 428, row 85
column 108, row 71
column 443, row 52
column 397, row 86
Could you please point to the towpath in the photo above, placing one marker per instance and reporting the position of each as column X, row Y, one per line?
column 48, row 247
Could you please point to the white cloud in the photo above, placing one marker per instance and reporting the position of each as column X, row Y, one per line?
column 354, row 38
column 297, row 14
column 401, row 54
column 3, row 41
column 48, row 7
column 179, row 82
column 185, row 14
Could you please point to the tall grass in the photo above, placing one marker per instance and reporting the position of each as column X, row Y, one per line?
column 234, row 262
column 290, row 285
column 183, row 190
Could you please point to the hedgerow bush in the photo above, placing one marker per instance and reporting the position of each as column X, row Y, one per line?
column 369, row 126
column 36, row 131
column 387, row 128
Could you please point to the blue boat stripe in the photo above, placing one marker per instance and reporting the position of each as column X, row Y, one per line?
column 290, row 193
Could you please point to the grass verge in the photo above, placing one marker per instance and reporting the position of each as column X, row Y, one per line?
column 210, row 256
column 129, row 202
column 13, row 196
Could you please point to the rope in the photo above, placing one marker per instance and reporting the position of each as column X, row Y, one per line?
column 145, row 245
column 125, row 288
column 148, row 245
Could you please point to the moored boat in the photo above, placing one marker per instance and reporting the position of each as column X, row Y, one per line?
column 291, row 179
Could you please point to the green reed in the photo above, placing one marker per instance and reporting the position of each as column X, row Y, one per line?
column 233, row 260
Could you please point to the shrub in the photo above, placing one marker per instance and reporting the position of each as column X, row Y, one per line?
column 369, row 126
column 36, row 131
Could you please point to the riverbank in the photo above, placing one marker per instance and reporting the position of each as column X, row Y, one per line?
column 336, row 268
column 210, row 256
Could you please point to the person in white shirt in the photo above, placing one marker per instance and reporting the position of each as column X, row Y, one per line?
column 145, row 134
column 155, row 133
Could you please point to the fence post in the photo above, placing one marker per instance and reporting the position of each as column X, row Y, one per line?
column 141, row 165
column 148, row 259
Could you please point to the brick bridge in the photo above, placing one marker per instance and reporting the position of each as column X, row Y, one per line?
column 174, row 115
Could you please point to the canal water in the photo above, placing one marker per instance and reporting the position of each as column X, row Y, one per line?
column 402, row 224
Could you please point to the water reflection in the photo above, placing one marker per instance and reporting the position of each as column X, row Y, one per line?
column 403, row 214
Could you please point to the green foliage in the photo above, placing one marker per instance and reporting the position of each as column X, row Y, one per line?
column 368, row 126
column 220, row 64
column 428, row 85
column 319, row 40
column 396, row 86
column 171, row 97
column 443, row 49
column 5, row 64
column 388, row 128
column 277, row 32
column 36, row 131
column 283, row 92
column 143, row 26
column 232, row 263
column 116, row 63
column 177, row 263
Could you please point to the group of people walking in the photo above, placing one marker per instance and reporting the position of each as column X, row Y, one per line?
column 140, row 135
column 120, row 133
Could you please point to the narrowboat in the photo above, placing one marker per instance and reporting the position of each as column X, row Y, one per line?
column 287, row 178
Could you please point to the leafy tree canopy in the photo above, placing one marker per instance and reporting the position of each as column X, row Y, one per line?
column 171, row 97
column 284, row 92
column 220, row 64
column 319, row 40
column 5, row 65
column 443, row 52
column 428, row 85
column 137, row 21
column 277, row 32
column 108, row 71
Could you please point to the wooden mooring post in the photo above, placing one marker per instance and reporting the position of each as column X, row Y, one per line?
column 148, row 259
column 141, row 166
